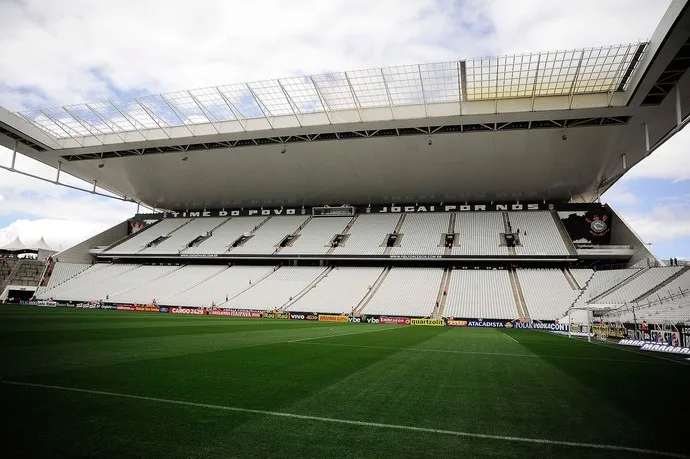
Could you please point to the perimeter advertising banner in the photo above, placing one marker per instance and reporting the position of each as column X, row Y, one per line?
column 272, row 315
column 332, row 318
column 236, row 313
column 552, row 326
column 428, row 322
column 394, row 320
column 303, row 316
column 195, row 311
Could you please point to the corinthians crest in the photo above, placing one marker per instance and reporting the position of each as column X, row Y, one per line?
column 597, row 225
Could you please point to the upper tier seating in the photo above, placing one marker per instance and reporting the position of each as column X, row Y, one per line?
column 315, row 237
column 225, row 235
column 368, row 235
column 139, row 240
column 406, row 292
column 340, row 291
column 480, row 293
column 267, row 237
column 277, row 289
column 542, row 238
column 183, row 236
column 547, row 293
column 479, row 234
column 421, row 234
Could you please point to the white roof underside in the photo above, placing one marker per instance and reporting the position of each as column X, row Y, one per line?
column 556, row 73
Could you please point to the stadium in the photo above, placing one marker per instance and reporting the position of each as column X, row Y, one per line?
column 396, row 261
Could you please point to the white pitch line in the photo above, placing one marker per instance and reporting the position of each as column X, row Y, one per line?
column 356, row 423
column 510, row 337
column 342, row 334
column 506, row 354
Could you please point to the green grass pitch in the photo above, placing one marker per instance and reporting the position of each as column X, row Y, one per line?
column 126, row 384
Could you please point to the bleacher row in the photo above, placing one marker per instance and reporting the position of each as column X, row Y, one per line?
column 477, row 233
column 469, row 293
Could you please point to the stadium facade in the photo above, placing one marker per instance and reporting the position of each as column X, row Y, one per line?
column 462, row 190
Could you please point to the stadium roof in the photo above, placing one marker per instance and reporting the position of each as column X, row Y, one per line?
column 553, row 73
column 557, row 126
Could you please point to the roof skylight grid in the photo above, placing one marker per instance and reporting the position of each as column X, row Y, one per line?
column 554, row 73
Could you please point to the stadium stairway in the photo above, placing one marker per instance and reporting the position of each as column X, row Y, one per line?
column 295, row 233
column 253, row 284
column 508, row 228
column 396, row 229
column 445, row 284
column 520, row 303
column 571, row 280
column 169, row 233
column 129, row 236
column 451, row 230
column 374, row 288
column 346, row 230
column 582, row 291
column 194, row 285
column 617, row 285
column 212, row 230
column 658, row 287
column 307, row 288
column 567, row 240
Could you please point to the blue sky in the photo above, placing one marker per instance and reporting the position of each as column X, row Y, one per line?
column 57, row 53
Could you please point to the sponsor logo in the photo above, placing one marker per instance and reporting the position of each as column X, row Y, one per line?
column 124, row 307
column 280, row 315
column 332, row 318
column 632, row 342
column 163, row 310
column 196, row 311
column 597, row 225
column 354, row 320
column 236, row 313
column 665, row 349
column 109, row 307
column 394, row 320
column 297, row 316
column 486, row 323
column 45, row 303
column 428, row 322
column 312, row 317
column 540, row 326
column 456, row 323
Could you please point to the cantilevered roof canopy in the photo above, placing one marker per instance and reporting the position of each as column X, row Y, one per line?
column 555, row 73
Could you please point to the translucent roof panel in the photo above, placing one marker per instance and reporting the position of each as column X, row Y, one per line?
column 553, row 73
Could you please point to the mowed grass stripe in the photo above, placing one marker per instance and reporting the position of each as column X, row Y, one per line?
column 617, row 448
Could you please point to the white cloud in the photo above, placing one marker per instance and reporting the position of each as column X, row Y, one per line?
column 662, row 223
column 671, row 161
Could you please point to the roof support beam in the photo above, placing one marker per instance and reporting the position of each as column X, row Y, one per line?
column 84, row 126
column 573, row 86
column 421, row 85
column 14, row 154
column 206, row 114
column 324, row 105
column 60, row 125
column 128, row 120
column 264, row 110
column 233, row 110
column 292, row 104
column 114, row 131
column 354, row 97
column 388, row 93
column 177, row 115
column 153, row 118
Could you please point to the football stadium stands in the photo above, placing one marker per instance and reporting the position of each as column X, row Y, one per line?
column 406, row 292
column 315, row 238
column 547, row 292
column 222, row 238
column 538, row 234
column 422, row 234
column 480, row 293
column 269, row 234
column 367, row 235
column 480, row 234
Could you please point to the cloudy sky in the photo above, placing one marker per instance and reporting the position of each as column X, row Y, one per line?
column 57, row 53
